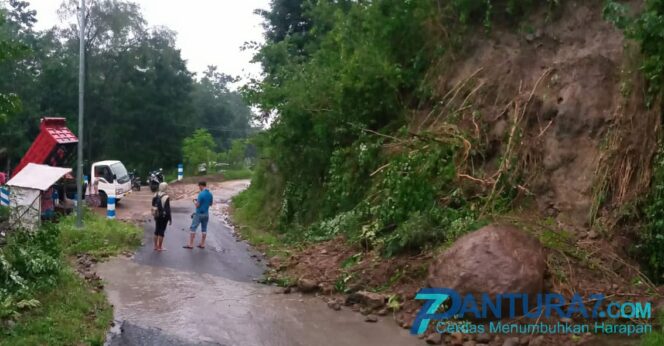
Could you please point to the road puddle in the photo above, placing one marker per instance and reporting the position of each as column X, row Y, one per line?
column 169, row 304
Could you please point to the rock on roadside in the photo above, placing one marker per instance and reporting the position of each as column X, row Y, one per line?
column 494, row 259
column 306, row 285
column 369, row 299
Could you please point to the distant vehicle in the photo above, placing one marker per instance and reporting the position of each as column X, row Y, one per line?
column 214, row 166
column 135, row 181
column 156, row 178
column 111, row 179
column 54, row 146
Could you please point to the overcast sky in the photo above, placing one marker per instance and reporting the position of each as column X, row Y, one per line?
column 210, row 32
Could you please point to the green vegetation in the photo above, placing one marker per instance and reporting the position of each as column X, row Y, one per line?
column 255, row 229
column 10, row 51
column 69, row 313
column 199, row 150
column 4, row 214
column 646, row 29
column 651, row 240
column 136, row 83
column 48, row 301
column 345, row 81
column 657, row 337
column 233, row 174
column 100, row 238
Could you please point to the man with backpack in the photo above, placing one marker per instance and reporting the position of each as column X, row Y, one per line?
column 161, row 211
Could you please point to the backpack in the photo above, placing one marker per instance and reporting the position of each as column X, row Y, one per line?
column 157, row 207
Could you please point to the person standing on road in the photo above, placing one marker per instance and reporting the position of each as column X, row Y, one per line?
column 201, row 216
column 161, row 210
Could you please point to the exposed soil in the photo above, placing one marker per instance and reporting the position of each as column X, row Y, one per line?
column 569, row 83
column 188, row 189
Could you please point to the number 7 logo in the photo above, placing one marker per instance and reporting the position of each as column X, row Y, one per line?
column 435, row 297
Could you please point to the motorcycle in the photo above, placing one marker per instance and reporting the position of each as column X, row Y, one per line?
column 156, row 178
column 135, row 181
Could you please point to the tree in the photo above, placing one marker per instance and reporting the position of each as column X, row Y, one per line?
column 21, row 15
column 113, row 27
column 149, row 91
column 141, row 100
column 223, row 112
column 198, row 149
column 237, row 153
column 11, row 49
column 334, row 70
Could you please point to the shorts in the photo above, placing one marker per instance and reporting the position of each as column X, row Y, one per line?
column 160, row 228
column 199, row 219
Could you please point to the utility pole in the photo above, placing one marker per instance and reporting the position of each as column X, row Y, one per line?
column 81, row 99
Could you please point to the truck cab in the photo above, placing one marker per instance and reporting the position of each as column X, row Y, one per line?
column 109, row 178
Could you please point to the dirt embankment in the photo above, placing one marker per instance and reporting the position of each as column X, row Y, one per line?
column 582, row 88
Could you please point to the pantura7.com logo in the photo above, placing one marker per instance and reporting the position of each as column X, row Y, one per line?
column 456, row 307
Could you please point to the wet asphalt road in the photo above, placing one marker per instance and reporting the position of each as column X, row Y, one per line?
column 223, row 255
column 209, row 297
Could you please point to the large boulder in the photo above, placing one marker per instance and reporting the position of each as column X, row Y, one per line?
column 494, row 259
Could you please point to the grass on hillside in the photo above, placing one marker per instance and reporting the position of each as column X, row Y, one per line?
column 657, row 336
column 235, row 174
column 252, row 227
column 71, row 312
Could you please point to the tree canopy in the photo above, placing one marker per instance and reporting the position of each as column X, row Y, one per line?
column 141, row 100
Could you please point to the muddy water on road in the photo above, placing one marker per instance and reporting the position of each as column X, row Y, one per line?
column 203, row 308
column 208, row 297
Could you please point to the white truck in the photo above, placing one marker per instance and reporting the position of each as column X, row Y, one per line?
column 109, row 178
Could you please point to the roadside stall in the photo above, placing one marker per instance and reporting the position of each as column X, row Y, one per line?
column 31, row 195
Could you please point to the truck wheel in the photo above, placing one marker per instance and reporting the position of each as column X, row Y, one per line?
column 103, row 198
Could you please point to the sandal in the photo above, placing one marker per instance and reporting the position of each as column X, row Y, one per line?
column 187, row 247
column 201, row 247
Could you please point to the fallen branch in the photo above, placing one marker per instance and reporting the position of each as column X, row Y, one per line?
column 524, row 189
column 545, row 128
column 477, row 127
column 382, row 135
column 379, row 169
column 509, row 104
column 466, row 176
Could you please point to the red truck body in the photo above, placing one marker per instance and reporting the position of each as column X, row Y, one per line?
column 54, row 146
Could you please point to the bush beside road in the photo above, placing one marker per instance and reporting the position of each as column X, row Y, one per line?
column 48, row 295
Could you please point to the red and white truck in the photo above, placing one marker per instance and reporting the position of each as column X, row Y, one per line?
column 55, row 146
